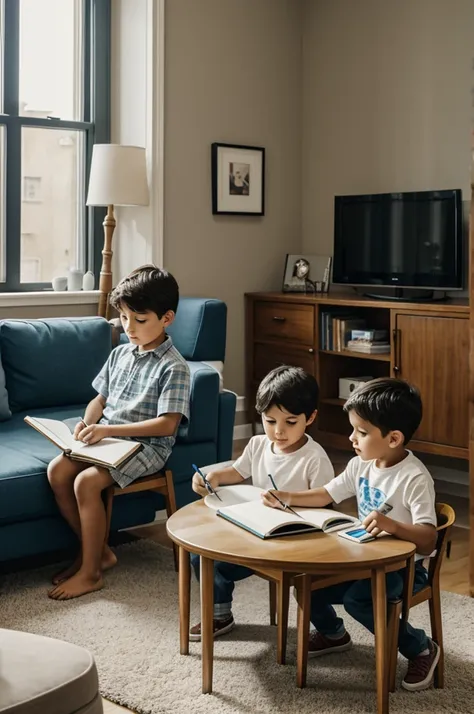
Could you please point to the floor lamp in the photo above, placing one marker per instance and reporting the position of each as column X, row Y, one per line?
column 117, row 178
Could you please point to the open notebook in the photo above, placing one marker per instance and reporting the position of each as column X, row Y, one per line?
column 109, row 452
column 233, row 495
column 242, row 506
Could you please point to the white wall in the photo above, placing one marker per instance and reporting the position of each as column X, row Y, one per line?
column 386, row 102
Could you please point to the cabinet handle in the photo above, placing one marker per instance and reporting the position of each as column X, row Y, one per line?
column 311, row 350
column 277, row 318
column 397, row 345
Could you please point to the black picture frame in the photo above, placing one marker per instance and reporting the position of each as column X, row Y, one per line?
column 234, row 192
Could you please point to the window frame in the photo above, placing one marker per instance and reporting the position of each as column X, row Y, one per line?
column 96, row 28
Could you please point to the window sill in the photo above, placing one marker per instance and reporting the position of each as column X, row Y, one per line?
column 49, row 297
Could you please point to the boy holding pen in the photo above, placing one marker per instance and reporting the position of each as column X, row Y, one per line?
column 287, row 399
column 395, row 494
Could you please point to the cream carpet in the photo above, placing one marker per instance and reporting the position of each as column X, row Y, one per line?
column 132, row 629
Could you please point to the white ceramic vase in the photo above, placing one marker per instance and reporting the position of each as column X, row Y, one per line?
column 88, row 281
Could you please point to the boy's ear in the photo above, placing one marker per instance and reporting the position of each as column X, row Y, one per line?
column 168, row 318
column 396, row 439
column 312, row 417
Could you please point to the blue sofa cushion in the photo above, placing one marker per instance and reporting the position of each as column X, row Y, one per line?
column 24, row 456
column 199, row 329
column 5, row 412
column 52, row 362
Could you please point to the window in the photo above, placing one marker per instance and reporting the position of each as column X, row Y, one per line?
column 55, row 104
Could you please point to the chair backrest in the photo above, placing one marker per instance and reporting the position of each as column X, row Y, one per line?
column 445, row 517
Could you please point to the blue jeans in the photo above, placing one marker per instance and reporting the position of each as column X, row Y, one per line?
column 225, row 577
column 356, row 596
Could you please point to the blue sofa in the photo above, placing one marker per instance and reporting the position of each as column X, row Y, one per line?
column 48, row 367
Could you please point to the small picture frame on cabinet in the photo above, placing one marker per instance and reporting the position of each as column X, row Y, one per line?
column 307, row 274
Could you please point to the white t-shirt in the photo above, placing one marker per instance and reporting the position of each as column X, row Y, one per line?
column 308, row 467
column 408, row 487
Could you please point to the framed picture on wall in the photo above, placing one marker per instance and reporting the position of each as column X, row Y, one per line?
column 238, row 179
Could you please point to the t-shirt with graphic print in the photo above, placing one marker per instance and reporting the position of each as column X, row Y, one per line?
column 408, row 487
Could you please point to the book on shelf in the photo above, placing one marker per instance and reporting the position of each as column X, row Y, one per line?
column 109, row 452
column 370, row 335
column 368, row 347
column 252, row 515
column 336, row 330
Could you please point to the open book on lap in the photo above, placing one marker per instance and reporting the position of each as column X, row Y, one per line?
column 110, row 452
column 266, row 522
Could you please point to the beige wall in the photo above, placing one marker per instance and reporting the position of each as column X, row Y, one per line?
column 232, row 74
column 386, row 102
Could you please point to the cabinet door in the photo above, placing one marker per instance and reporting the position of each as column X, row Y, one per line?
column 433, row 354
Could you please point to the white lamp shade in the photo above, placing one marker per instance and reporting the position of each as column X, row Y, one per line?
column 118, row 176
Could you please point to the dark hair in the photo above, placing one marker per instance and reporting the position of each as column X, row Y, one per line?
column 389, row 404
column 147, row 288
column 289, row 387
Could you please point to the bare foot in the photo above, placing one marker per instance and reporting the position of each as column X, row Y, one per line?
column 68, row 572
column 80, row 584
column 109, row 559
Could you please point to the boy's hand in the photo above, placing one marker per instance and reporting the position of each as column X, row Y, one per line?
column 198, row 483
column 376, row 522
column 80, row 426
column 269, row 500
column 93, row 433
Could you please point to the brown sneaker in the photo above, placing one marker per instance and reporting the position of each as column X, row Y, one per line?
column 320, row 644
column 421, row 669
column 221, row 627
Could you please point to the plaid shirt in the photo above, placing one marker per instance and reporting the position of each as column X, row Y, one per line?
column 144, row 385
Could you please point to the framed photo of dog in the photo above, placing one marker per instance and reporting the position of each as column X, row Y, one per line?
column 238, row 179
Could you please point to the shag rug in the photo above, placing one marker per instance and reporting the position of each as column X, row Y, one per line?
column 132, row 629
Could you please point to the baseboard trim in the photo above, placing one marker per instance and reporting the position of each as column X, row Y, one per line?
column 242, row 431
column 240, row 404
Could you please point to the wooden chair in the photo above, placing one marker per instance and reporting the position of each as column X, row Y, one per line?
column 160, row 483
column 431, row 592
column 279, row 600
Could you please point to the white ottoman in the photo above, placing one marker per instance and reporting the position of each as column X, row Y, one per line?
column 39, row 675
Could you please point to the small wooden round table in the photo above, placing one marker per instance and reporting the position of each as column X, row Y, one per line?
column 197, row 529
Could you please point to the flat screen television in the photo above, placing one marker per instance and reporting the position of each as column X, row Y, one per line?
column 410, row 239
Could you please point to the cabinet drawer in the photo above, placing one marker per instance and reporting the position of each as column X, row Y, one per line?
column 267, row 358
column 280, row 321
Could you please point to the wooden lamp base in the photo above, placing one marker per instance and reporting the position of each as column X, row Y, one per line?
column 105, row 280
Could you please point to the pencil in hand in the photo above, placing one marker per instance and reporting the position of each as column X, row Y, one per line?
column 286, row 507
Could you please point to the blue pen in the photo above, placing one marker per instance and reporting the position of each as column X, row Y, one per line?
column 285, row 505
column 208, row 486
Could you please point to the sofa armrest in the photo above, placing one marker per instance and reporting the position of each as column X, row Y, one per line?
column 204, row 405
column 225, row 436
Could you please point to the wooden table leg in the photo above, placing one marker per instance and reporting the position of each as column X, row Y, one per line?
column 303, row 596
column 207, row 621
column 379, row 595
column 282, row 621
column 184, row 580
